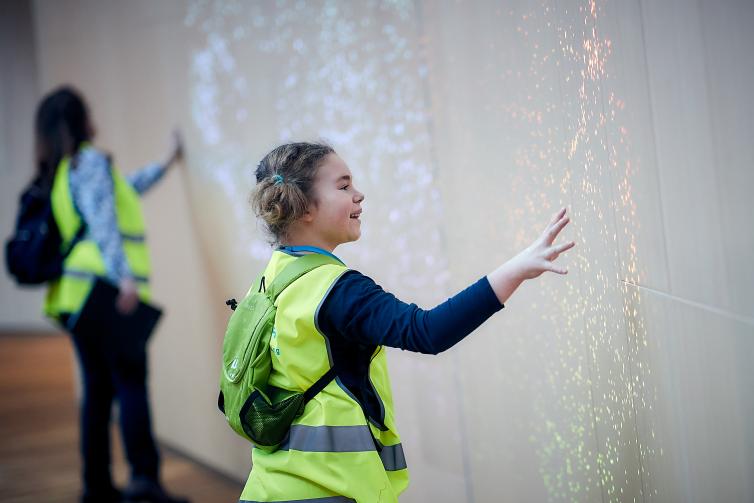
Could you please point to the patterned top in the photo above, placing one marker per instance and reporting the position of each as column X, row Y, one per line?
column 93, row 197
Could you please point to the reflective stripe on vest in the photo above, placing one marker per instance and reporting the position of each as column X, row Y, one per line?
column 75, row 273
column 342, row 439
column 392, row 457
column 328, row 499
column 134, row 238
column 329, row 438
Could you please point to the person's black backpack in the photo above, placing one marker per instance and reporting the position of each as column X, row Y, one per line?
column 34, row 254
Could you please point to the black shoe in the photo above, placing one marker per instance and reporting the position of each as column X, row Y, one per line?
column 111, row 495
column 148, row 491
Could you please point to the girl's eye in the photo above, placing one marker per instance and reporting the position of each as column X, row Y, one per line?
column 345, row 187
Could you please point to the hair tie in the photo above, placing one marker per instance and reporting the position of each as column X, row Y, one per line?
column 278, row 179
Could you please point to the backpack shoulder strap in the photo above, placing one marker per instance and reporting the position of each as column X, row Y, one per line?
column 295, row 270
column 287, row 276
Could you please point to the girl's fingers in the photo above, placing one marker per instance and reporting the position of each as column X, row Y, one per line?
column 565, row 246
column 557, row 217
column 558, row 269
column 553, row 231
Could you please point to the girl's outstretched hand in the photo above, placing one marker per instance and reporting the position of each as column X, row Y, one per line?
column 536, row 259
column 540, row 256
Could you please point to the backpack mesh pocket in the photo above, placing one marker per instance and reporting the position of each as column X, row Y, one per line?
column 267, row 424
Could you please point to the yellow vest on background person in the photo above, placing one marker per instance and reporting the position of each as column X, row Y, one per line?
column 68, row 293
column 331, row 454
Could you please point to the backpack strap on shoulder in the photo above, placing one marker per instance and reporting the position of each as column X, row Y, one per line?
column 295, row 270
column 320, row 384
column 287, row 276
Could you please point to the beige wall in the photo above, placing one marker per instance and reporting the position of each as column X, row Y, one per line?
column 466, row 124
column 19, row 308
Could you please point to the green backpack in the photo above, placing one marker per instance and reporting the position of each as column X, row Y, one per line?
column 256, row 411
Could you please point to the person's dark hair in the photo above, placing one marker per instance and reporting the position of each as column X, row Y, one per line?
column 61, row 125
column 284, row 185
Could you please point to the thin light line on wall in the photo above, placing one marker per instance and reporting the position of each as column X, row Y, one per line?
column 747, row 320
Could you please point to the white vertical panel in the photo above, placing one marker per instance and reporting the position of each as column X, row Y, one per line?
column 597, row 173
column 728, row 42
column 686, row 159
column 499, row 131
column 630, row 141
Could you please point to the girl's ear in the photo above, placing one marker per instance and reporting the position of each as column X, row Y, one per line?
column 309, row 215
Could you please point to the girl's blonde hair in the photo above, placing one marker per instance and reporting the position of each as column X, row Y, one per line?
column 285, row 178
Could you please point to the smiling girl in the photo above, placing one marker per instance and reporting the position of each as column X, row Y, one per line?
column 345, row 445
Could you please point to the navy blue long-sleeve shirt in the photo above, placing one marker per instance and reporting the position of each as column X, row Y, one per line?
column 359, row 310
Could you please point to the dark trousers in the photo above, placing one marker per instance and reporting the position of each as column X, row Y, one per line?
column 109, row 372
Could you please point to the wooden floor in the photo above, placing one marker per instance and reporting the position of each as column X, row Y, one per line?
column 39, row 457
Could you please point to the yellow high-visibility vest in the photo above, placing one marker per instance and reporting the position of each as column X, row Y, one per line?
column 68, row 293
column 333, row 452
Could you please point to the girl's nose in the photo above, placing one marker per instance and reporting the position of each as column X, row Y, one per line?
column 358, row 197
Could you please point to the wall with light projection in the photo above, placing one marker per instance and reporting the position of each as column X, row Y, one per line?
column 467, row 124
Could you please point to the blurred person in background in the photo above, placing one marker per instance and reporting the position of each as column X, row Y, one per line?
column 87, row 190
